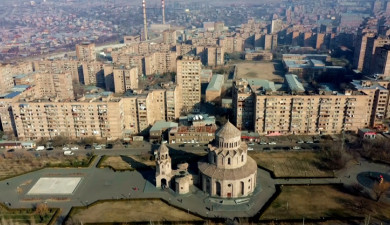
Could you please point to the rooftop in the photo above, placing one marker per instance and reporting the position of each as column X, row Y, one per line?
column 215, row 83
column 293, row 83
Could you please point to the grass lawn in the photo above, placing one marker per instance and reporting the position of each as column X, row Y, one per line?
column 12, row 164
column 23, row 216
column 290, row 164
column 132, row 211
column 314, row 202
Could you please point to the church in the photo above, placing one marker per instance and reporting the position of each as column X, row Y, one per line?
column 227, row 172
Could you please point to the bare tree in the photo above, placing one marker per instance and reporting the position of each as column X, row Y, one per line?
column 380, row 188
column 42, row 210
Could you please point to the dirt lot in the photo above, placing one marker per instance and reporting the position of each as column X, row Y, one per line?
column 128, row 162
column 290, row 164
column 132, row 211
column 21, row 162
column 260, row 70
column 314, row 202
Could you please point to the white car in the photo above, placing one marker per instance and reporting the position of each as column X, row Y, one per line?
column 65, row 148
column 98, row 147
column 263, row 143
column 251, row 143
column 309, row 142
column 250, row 149
column 68, row 153
column 74, row 148
column 300, row 142
column 40, row 148
column 272, row 143
column 296, row 147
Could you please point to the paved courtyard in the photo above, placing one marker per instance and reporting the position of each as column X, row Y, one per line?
column 68, row 187
column 55, row 185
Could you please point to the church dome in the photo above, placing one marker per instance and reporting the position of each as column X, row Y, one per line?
column 228, row 131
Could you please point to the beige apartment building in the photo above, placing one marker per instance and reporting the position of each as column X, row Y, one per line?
column 169, row 37
column 378, row 92
column 262, row 106
column 91, row 116
column 173, row 102
column 93, row 73
column 86, row 51
column 311, row 114
column 125, row 78
column 232, row 44
column 63, row 66
column 53, row 85
column 160, row 62
column 8, row 71
column 188, row 79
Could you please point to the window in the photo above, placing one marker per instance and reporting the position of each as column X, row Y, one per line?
column 228, row 161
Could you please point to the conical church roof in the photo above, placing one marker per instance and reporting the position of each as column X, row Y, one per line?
column 228, row 131
column 163, row 149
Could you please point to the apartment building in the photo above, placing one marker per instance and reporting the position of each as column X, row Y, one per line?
column 150, row 108
column 53, row 85
column 188, row 79
column 91, row 116
column 169, row 37
column 160, row 62
column 173, row 102
column 378, row 92
column 267, row 108
column 8, row 71
column 244, row 98
column 63, row 66
column 311, row 114
column 231, row 44
column 215, row 56
column 93, row 73
column 86, row 51
column 125, row 78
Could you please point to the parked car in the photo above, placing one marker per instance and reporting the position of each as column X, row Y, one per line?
column 11, row 150
column 309, row 142
column 109, row 146
column 251, row 143
column 300, row 142
column 263, row 142
column 272, row 143
column 98, row 147
column 74, row 148
column 50, row 148
column 30, row 149
column 65, row 148
column 296, row 147
column 40, row 148
column 68, row 153
column 87, row 146
column 250, row 149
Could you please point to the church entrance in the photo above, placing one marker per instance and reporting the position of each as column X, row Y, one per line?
column 218, row 187
column 164, row 183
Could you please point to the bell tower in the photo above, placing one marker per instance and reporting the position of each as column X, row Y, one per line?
column 163, row 167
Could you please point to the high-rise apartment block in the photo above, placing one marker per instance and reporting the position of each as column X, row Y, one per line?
column 188, row 80
column 259, row 106
column 125, row 78
column 86, row 51
column 169, row 37
column 8, row 71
